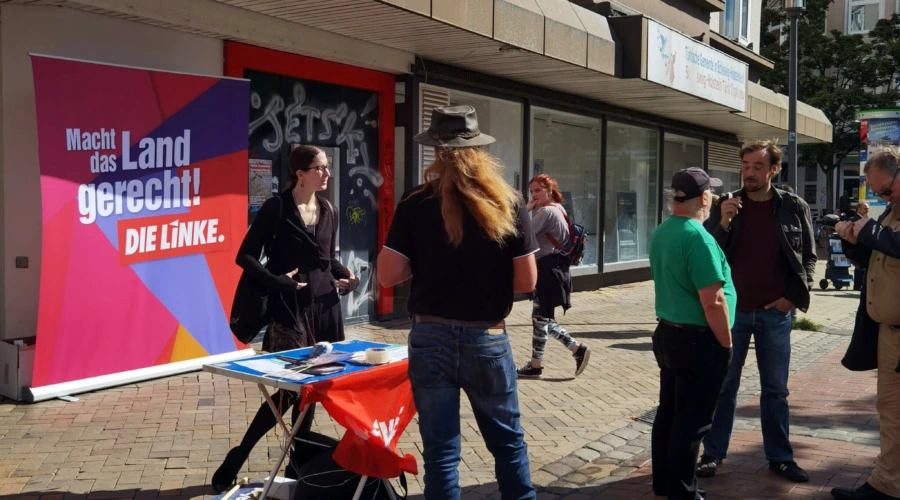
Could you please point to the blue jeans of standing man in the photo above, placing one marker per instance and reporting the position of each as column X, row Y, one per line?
column 444, row 359
column 771, row 331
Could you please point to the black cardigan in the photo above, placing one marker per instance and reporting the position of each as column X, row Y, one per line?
column 291, row 245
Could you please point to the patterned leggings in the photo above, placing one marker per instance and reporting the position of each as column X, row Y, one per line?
column 544, row 326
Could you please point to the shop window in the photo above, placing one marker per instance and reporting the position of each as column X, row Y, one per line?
column 632, row 191
column 499, row 118
column 731, row 180
column 863, row 14
column 566, row 147
column 678, row 152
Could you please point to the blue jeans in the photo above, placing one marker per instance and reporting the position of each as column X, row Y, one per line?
column 771, row 331
column 444, row 359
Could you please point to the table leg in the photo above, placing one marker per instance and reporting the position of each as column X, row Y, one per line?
column 359, row 488
column 390, row 489
column 287, row 448
column 274, row 408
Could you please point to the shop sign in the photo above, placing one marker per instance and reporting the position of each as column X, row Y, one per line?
column 684, row 64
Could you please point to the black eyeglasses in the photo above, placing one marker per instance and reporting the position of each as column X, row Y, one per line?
column 889, row 189
column 320, row 168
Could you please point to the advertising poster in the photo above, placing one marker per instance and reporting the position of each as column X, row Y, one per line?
column 626, row 225
column 144, row 204
column 875, row 134
column 260, row 176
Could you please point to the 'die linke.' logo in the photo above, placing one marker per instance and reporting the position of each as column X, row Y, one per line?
column 142, row 195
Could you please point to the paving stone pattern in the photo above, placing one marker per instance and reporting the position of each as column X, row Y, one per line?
column 164, row 438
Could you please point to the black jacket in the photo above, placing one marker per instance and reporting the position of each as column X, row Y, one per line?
column 862, row 353
column 795, row 234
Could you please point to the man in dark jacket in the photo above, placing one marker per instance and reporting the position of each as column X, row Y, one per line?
column 767, row 236
column 878, row 244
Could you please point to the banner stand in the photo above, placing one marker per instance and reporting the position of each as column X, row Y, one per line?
column 43, row 393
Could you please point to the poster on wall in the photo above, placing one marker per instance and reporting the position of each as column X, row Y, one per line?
column 875, row 135
column 626, row 225
column 144, row 204
column 260, row 183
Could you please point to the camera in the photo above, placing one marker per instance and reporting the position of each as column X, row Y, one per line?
column 831, row 220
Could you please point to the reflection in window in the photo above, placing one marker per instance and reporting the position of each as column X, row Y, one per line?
column 736, row 21
column 566, row 147
column 731, row 180
column 678, row 152
column 862, row 15
column 499, row 118
column 632, row 190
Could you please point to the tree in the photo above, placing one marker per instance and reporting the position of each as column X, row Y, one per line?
column 837, row 73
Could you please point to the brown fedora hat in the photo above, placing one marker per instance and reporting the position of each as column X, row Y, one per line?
column 454, row 127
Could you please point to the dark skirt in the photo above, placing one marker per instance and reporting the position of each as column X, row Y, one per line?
column 554, row 283
column 320, row 321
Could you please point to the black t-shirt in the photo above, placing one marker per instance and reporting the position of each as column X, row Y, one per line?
column 471, row 282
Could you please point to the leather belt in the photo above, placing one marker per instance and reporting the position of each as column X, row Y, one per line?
column 486, row 324
column 698, row 328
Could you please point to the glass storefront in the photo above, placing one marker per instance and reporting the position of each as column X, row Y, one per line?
column 731, row 180
column 678, row 152
column 499, row 118
column 566, row 146
column 632, row 191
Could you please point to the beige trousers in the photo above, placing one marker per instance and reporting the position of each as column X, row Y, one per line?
column 886, row 476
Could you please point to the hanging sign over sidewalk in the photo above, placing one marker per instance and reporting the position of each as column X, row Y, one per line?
column 684, row 64
column 144, row 203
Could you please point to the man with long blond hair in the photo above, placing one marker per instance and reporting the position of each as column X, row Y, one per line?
column 465, row 239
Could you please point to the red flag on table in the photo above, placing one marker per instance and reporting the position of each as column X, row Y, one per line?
column 375, row 406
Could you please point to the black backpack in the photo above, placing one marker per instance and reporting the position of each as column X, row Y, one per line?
column 573, row 248
column 249, row 309
column 320, row 478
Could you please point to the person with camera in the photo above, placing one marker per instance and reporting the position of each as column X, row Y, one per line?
column 767, row 236
column 695, row 301
column 876, row 244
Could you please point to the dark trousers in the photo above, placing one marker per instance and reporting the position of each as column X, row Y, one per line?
column 692, row 367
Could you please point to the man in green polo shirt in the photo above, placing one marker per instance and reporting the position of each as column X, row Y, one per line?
column 695, row 303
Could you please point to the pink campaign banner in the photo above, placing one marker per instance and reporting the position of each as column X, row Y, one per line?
column 144, row 203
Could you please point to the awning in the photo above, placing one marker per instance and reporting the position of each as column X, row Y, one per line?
column 552, row 44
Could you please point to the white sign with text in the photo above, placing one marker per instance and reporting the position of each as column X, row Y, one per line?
column 684, row 64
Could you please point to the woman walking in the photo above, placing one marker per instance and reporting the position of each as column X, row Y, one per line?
column 554, row 284
column 465, row 239
column 297, row 230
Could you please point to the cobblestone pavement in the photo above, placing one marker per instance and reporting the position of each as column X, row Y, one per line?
column 164, row 438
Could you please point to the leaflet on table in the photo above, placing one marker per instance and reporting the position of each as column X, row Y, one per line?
column 289, row 374
column 262, row 365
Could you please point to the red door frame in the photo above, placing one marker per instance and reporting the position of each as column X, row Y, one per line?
column 239, row 57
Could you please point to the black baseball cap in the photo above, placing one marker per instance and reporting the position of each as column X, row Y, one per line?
column 692, row 182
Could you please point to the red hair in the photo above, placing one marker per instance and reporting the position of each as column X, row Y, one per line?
column 550, row 184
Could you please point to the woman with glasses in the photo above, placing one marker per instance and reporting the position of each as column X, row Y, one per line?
column 297, row 229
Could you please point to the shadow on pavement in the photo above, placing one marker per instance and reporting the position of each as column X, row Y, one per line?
column 125, row 493
column 643, row 346
column 615, row 335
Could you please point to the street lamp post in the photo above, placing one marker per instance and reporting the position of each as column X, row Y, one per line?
column 794, row 9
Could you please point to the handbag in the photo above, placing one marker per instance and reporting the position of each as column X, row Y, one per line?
column 249, row 309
